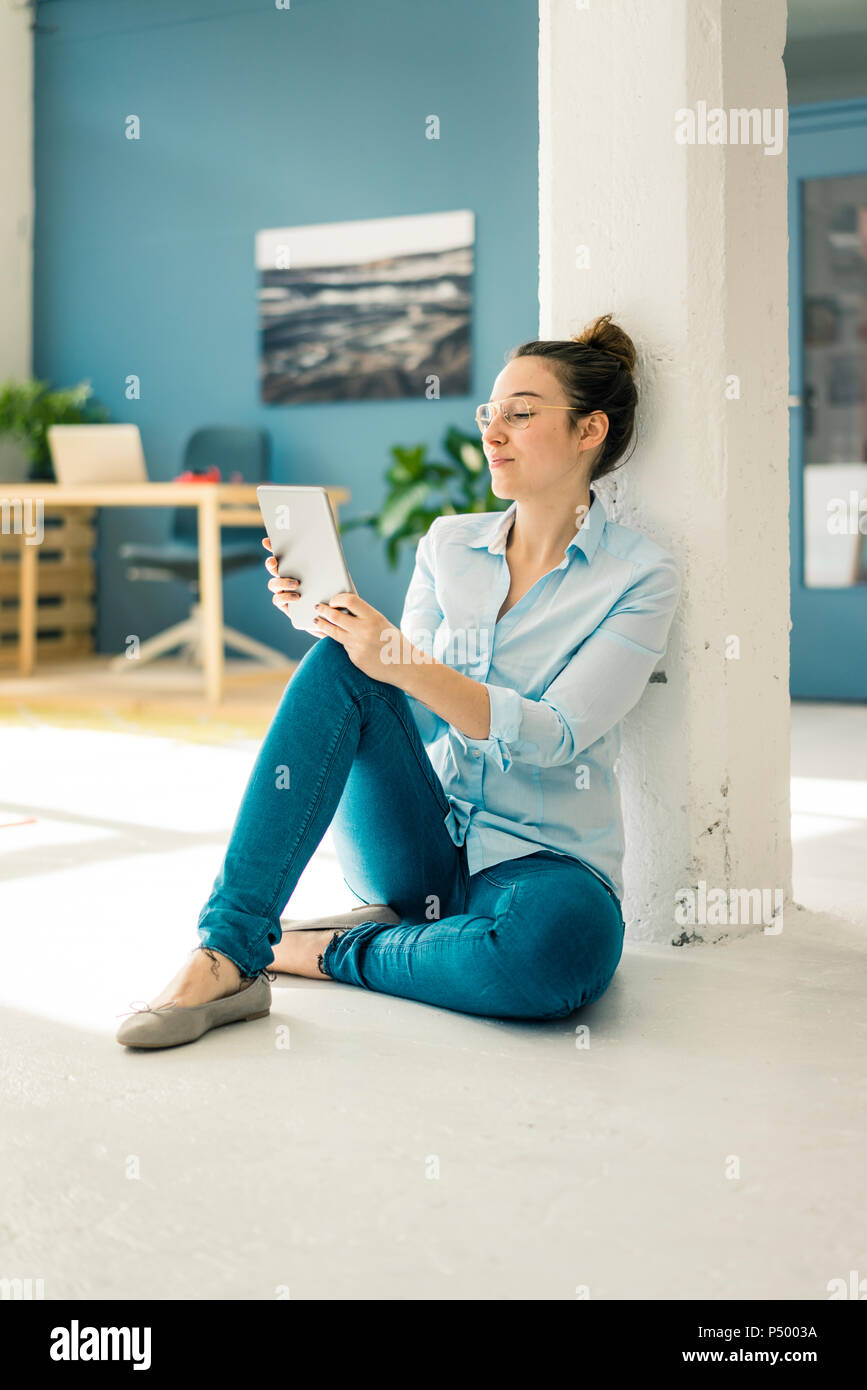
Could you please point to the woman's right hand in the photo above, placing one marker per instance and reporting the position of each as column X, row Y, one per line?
column 285, row 591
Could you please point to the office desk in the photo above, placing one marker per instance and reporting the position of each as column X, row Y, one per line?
column 219, row 505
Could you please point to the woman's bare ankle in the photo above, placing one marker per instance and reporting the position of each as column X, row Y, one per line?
column 301, row 952
column 223, row 971
column 206, row 975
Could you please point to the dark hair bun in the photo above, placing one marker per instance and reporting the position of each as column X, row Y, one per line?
column 605, row 336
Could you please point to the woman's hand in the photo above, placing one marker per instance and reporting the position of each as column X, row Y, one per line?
column 383, row 652
column 285, row 591
column 371, row 642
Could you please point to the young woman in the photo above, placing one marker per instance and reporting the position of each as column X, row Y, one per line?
column 464, row 761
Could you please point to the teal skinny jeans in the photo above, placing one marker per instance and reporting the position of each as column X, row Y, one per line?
column 534, row 937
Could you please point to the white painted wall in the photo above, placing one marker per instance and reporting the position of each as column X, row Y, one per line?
column 687, row 247
column 16, row 201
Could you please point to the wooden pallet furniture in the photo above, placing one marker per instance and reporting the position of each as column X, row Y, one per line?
column 64, row 602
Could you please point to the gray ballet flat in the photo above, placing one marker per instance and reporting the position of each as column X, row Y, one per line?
column 171, row 1024
column 375, row 912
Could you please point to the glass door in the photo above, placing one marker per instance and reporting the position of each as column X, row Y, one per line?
column 828, row 464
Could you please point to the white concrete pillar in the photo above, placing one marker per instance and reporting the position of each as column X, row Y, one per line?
column 686, row 243
column 16, row 206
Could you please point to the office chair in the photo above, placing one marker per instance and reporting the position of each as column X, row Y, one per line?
column 241, row 454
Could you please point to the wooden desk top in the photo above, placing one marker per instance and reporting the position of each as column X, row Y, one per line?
column 141, row 494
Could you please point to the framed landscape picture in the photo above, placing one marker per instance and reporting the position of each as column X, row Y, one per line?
column 371, row 310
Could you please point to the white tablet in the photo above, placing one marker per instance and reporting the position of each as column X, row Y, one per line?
column 306, row 543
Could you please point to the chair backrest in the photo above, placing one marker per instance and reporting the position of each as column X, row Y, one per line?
column 235, row 449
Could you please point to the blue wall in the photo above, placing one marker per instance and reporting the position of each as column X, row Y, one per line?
column 255, row 117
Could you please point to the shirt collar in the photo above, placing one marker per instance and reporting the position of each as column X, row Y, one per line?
column 586, row 539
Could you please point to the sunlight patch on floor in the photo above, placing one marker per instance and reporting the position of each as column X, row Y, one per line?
column 101, row 830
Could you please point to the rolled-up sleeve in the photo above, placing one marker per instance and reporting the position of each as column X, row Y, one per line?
column 600, row 684
column 419, row 623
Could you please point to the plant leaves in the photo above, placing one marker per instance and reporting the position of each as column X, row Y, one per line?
column 398, row 507
column 411, row 462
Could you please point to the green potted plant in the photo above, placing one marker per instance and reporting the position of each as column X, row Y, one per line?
column 27, row 408
column 419, row 490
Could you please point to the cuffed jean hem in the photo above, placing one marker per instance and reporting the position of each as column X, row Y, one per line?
column 250, row 963
column 321, row 960
column 364, row 930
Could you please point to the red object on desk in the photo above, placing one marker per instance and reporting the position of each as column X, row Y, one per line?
column 210, row 475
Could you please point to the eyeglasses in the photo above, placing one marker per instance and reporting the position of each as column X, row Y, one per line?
column 516, row 412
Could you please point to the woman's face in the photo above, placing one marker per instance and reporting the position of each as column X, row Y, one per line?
column 557, row 450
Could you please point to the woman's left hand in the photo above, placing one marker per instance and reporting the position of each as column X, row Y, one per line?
column 372, row 643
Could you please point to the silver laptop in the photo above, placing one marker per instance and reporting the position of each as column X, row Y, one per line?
column 97, row 453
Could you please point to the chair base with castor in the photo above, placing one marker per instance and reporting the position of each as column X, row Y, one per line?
column 189, row 636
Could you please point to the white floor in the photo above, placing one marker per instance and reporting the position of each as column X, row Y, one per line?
column 707, row 1144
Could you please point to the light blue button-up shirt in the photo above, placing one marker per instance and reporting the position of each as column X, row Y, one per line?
column 561, row 667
